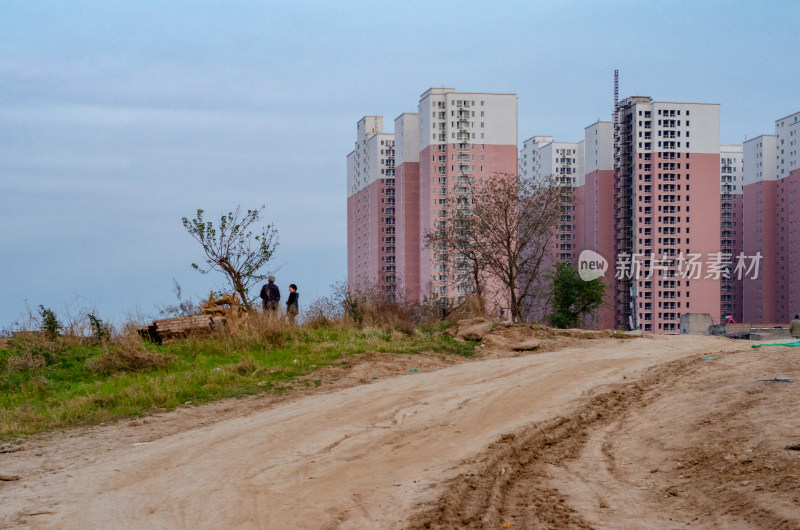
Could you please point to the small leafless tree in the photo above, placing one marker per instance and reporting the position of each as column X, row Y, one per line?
column 454, row 247
column 502, row 228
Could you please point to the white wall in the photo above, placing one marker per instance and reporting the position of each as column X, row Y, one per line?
column 599, row 146
column 787, row 145
column 703, row 128
column 759, row 159
column 406, row 136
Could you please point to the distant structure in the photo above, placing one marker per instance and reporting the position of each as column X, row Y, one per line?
column 454, row 139
column 731, row 230
column 705, row 228
column 772, row 222
column 541, row 158
column 594, row 199
column 371, row 204
column 667, row 205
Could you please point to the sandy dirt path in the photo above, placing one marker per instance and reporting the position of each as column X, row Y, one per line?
column 363, row 457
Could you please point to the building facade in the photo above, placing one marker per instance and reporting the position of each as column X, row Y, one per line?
column 409, row 242
column 401, row 186
column 595, row 203
column 667, row 210
column 771, row 215
column 371, row 208
column 465, row 138
column 787, row 209
column 759, row 237
column 731, row 227
column 542, row 158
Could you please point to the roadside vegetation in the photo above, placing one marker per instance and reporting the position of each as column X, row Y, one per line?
column 54, row 382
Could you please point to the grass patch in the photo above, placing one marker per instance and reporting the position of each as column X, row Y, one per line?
column 53, row 385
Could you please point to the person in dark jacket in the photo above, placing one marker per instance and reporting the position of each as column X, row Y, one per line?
column 292, row 303
column 270, row 295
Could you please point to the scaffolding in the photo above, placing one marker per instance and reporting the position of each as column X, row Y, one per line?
column 625, row 286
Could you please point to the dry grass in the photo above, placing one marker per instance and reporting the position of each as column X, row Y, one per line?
column 247, row 366
column 24, row 361
column 123, row 358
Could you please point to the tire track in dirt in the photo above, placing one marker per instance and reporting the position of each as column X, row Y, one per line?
column 508, row 485
column 512, row 482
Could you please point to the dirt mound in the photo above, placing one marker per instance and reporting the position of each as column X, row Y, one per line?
column 507, row 339
column 371, row 367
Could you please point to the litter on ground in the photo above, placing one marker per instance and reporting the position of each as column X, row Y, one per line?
column 794, row 344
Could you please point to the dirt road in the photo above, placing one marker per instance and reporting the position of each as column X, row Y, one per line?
column 584, row 427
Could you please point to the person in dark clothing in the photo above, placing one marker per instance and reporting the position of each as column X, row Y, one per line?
column 292, row 305
column 270, row 295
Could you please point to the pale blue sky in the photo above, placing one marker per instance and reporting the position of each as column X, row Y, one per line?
column 117, row 118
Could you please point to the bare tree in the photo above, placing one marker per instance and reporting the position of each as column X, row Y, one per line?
column 456, row 251
column 502, row 228
column 233, row 249
column 514, row 223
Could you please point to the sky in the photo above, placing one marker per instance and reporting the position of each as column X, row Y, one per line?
column 118, row 118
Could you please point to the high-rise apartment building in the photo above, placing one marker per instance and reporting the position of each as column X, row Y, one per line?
column 772, row 222
column 465, row 138
column 371, row 208
column 401, row 186
column 667, row 212
column 760, row 176
column 787, row 209
column 595, row 203
column 731, row 235
column 409, row 236
column 541, row 158
column 681, row 219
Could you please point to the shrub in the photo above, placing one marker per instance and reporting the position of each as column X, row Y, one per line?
column 100, row 330
column 51, row 327
column 127, row 359
column 24, row 361
column 246, row 366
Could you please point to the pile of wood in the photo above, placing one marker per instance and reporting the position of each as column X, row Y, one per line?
column 168, row 330
column 213, row 316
